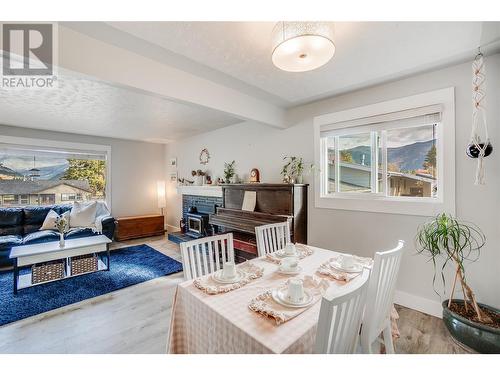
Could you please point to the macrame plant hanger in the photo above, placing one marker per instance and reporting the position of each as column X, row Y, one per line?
column 479, row 148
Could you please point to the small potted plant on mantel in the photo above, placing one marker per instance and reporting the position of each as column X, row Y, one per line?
column 292, row 172
column 475, row 325
column 229, row 172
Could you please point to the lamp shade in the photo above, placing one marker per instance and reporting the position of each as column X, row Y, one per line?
column 162, row 202
column 302, row 46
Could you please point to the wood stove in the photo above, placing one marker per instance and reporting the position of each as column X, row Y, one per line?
column 197, row 224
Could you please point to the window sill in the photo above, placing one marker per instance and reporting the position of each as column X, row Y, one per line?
column 401, row 206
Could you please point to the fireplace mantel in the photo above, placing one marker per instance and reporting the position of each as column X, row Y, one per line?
column 202, row 191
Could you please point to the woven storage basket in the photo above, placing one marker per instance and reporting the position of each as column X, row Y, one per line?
column 83, row 264
column 48, row 271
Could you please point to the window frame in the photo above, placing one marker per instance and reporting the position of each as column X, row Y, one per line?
column 373, row 202
column 50, row 145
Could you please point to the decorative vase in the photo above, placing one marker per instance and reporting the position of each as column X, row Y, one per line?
column 61, row 239
column 477, row 336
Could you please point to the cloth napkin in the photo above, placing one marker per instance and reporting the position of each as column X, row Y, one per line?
column 210, row 286
column 326, row 269
column 302, row 252
column 265, row 305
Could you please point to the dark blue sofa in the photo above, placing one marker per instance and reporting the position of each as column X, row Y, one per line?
column 20, row 226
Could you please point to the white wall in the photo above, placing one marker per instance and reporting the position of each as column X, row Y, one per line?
column 253, row 145
column 136, row 166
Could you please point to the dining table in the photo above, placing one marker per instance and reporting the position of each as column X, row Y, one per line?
column 223, row 323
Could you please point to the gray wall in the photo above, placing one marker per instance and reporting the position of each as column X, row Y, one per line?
column 254, row 145
column 136, row 166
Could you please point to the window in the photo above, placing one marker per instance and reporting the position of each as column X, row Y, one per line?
column 71, row 197
column 399, row 162
column 59, row 172
column 387, row 159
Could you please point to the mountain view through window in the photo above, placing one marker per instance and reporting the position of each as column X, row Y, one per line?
column 408, row 155
column 27, row 179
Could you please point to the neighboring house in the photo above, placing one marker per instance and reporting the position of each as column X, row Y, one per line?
column 22, row 193
column 355, row 177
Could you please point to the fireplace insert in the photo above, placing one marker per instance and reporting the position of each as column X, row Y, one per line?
column 197, row 224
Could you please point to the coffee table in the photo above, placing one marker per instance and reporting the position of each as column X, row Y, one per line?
column 44, row 252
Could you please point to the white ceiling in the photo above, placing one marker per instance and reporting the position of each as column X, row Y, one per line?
column 82, row 105
column 367, row 53
column 234, row 55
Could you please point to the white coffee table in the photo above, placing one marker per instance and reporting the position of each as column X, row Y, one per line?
column 44, row 252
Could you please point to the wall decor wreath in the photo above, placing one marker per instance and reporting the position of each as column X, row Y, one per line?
column 204, row 156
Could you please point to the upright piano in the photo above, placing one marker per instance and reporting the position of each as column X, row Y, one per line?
column 274, row 203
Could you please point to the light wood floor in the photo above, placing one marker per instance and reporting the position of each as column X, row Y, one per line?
column 136, row 320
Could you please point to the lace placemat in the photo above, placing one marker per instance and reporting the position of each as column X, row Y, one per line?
column 265, row 305
column 210, row 286
column 302, row 252
column 326, row 269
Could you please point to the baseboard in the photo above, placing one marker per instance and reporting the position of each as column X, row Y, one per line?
column 172, row 228
column 421, row 304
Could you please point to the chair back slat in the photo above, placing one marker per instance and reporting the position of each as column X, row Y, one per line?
column 206, row 255
column 272, row 237
column 381, row 293
column 340, row 317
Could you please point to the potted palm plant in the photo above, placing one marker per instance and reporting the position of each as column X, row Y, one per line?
column 475, row 325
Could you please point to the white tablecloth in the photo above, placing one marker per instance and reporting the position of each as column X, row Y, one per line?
column 223, row 323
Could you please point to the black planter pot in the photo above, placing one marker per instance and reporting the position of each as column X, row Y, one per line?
column 477, row 336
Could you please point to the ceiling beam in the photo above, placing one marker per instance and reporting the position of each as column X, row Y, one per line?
column 89, row 56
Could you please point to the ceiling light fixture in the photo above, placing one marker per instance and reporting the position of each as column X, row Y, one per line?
column 302, row 46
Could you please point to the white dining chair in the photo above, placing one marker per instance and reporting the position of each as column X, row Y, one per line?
column 340, row 317
column 206, row 255
column 377, row 316
column 272, row 237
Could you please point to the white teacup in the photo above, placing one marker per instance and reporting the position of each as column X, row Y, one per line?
column 346, row 260
column 229, row 270
column 295, row 290
column 289, row 264
column 290, row 249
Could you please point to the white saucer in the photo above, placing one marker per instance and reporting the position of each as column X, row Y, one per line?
column 355, row 268
column 281, row 254
column 289, row 272
column 217, row 276
column 281, row 296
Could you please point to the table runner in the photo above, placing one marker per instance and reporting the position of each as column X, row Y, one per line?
column 223, row 323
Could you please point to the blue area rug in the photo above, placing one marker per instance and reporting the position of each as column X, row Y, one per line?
column 129, row 266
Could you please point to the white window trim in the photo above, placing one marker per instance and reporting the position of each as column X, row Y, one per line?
column 395, row 205
column 67, row 146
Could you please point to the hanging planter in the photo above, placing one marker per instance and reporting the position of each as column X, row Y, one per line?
column 477, row 147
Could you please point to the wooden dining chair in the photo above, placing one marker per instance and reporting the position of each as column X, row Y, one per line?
column 377, row 316
column 272, row 237
column 206, row 255
column 340, row 317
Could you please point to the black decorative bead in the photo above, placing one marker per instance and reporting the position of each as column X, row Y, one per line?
column 473, row 152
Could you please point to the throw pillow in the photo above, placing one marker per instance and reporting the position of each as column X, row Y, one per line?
column 50, row 221
column 83, row 215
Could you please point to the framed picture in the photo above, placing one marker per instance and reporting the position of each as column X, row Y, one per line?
column 173, row 177
column 173, row 162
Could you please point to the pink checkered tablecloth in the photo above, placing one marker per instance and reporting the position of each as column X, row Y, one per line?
column 223, row 323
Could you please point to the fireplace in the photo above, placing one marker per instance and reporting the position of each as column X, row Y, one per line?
column 197, row 224
column 205, row 199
